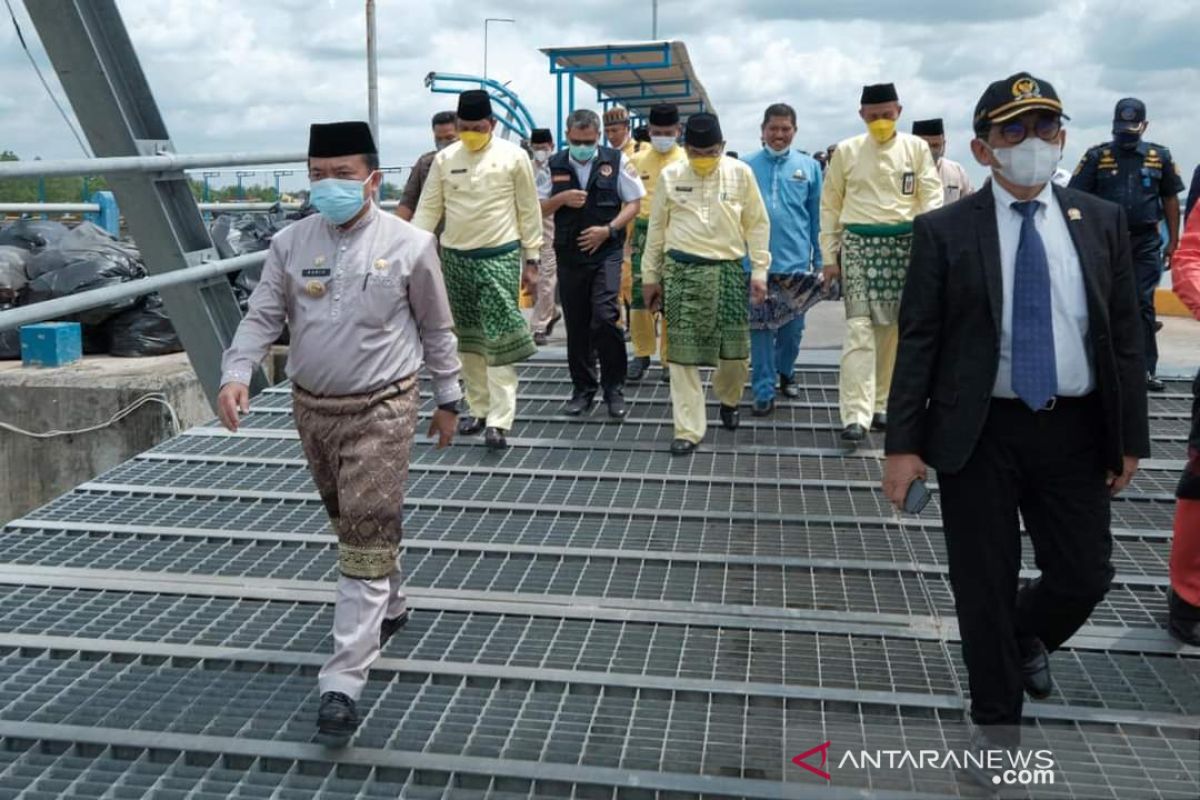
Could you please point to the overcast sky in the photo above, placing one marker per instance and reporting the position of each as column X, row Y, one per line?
column 251, row 74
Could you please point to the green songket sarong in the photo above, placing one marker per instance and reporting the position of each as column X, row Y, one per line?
column 483, row 287
column 706, row 306
column 640, row 227
column 874, row 267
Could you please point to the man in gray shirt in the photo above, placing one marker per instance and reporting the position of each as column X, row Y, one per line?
column 363, row 296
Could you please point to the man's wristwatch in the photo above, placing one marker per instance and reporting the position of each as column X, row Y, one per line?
column 452, row 407
column 612, row 232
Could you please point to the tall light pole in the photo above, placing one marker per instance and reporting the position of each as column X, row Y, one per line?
column 372, row 75
column 279, row 173
column 485, row 38
column 654, row 20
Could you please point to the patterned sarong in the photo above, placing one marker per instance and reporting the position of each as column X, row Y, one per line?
column 874, row 267
column 788, row 296
column 640, row 227
column 483, row 287
column 358, row 450
column 705, row 305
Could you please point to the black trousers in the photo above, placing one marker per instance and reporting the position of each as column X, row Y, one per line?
column 1048, row 467
column 1147, row 271
column 589, row 291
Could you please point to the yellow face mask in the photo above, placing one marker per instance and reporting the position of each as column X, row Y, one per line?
column 882, row 129
column 704, row 165
column 474, row 140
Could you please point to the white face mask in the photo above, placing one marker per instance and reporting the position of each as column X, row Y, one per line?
column 541, row 156
column 776, row 153
column 662, row 144
column 1031, row 163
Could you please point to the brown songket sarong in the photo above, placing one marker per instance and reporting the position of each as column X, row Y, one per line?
column 358, row 449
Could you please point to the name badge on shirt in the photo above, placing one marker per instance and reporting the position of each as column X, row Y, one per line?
column 560, row 179
column 316, row 272
column 908, row 184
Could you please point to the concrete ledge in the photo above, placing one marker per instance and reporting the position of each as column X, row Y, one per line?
column 78, row 396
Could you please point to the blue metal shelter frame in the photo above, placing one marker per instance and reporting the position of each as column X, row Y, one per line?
column 637, row 75
column 520, row 120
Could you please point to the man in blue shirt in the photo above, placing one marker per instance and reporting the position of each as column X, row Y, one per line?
column 790, row 183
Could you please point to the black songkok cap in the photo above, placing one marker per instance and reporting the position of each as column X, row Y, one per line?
column 703, row 130
column 541, row 136
column 664, row 114
column 333, row 139
column 929, row 127
column 879, row 93
column 474, row 105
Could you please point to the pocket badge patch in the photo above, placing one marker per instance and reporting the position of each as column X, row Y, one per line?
column 314, row 288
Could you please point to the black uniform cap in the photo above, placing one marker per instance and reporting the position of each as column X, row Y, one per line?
column 541, row 136
column 1003, row 100
column 333, row 139
column 1129, row 114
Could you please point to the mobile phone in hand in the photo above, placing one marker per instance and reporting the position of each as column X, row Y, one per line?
column 917, row 498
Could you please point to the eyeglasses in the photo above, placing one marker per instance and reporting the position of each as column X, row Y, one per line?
column 1045, row 128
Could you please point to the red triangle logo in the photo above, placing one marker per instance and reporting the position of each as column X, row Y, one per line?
column 800, row 760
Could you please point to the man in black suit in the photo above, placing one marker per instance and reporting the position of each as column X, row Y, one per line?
column 1020, row 379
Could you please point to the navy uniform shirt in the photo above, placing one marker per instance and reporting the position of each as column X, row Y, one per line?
column 1137, row 179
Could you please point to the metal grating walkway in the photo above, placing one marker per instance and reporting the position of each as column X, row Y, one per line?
column 593, row 619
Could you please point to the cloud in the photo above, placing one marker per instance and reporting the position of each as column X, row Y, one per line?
column 232, row 75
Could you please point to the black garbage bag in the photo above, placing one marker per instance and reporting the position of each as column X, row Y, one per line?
column 86, row 258
column 10, row 340
column 143, row 331
column 33, row 235
column 12, row 272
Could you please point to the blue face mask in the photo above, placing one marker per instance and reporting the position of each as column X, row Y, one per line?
column 338, row 199
column 583, row 152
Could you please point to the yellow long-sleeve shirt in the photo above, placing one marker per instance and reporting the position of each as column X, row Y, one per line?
column 719, row 217
column 649, row 164
column 488, row 197
column 867, row 182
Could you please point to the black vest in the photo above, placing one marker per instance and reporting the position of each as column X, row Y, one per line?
column 602, row 207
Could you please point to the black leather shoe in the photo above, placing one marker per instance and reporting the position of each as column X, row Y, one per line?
column 665, row 377
column 763, row 408
column 682, row 447
column 879, row 422
column 579, row 404
column 730, row 417
column 1035, row 669
column 337, row 720
column 615, row 400
column 494, row 438
column 1183, row 620
column 469, row 426
column 637, row 368
column 539, row 339
column 1154, row 384
column 854, row 433
column 788, row 387
column 1158, row 326
column 550, row 325
column 390, row 626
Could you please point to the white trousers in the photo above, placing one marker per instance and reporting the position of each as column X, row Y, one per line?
column 358, row 615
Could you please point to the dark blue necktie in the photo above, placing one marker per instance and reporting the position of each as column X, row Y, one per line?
column 1034, row 371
